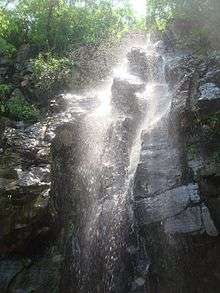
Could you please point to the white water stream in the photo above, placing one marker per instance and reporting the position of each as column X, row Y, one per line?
column 111, row 141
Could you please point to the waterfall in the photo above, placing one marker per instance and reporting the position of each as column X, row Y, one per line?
column 110, row 138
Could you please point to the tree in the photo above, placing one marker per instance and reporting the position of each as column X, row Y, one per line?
column 196, row 21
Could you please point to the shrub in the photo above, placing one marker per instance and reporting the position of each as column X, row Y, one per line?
column 52, row 73
column 4, row 89
column 18, row 108
column 7, row 26
column 6, row 48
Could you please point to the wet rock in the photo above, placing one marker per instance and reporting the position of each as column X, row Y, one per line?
column 8, row 269
column 210, row 190
column 177, row 218
column 25, row 185
column 58, row 104
column 213, row 76
column 138, row 63
column 124, row 97
column 166, row 205
column 179, row 67
column 24, row 210
column 188, row 221
column 209, row 99
column 138, row 285
column 67, row 186
column 153, row 175
column 209, row 91
column 33, row 176
column 145, row 66
column 160, row 47
column 209, row 224
column 23, row 274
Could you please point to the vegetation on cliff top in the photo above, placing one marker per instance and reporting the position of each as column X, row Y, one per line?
column 58, row 25
column 52, row 29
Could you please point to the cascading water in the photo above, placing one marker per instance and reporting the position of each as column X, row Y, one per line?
column 109, row 154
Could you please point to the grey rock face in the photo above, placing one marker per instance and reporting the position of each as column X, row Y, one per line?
column 166, row 205
column 209, row 91
column 177, row 68
column 144, row 65
column 138, row 63
column 174, row 208
column 153, row 173
column 25, row 182
column 176, row 204
column 123, row 96
column 213, row 76
column 28, row 223
column 188, row 221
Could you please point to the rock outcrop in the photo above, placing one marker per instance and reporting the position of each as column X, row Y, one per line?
column 176, row 182
column 28, row 221
column 64, row 224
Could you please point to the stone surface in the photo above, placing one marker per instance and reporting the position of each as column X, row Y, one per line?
column 176, row 185
column 209, row 91
column 176, row 193
column 166, row 205
column 188, row 221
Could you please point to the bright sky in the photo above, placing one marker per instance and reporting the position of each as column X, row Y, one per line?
column 139, row 7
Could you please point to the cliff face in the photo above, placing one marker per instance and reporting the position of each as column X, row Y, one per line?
column 175, row 194
column 29, row 257
column 176, row 186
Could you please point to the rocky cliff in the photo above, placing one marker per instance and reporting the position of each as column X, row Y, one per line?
column 175, row 195
column 176, row 182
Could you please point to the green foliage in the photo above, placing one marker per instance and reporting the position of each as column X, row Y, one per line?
column 58, row 25
column 4, row 89
column 4, row 23
column 194, row 22
column 53, row 29
column 6, row 28
column 160, row 12
column 18, row 108
column 52, row 73
column 6, row 48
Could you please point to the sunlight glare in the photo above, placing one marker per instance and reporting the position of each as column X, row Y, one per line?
column 139, row 7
